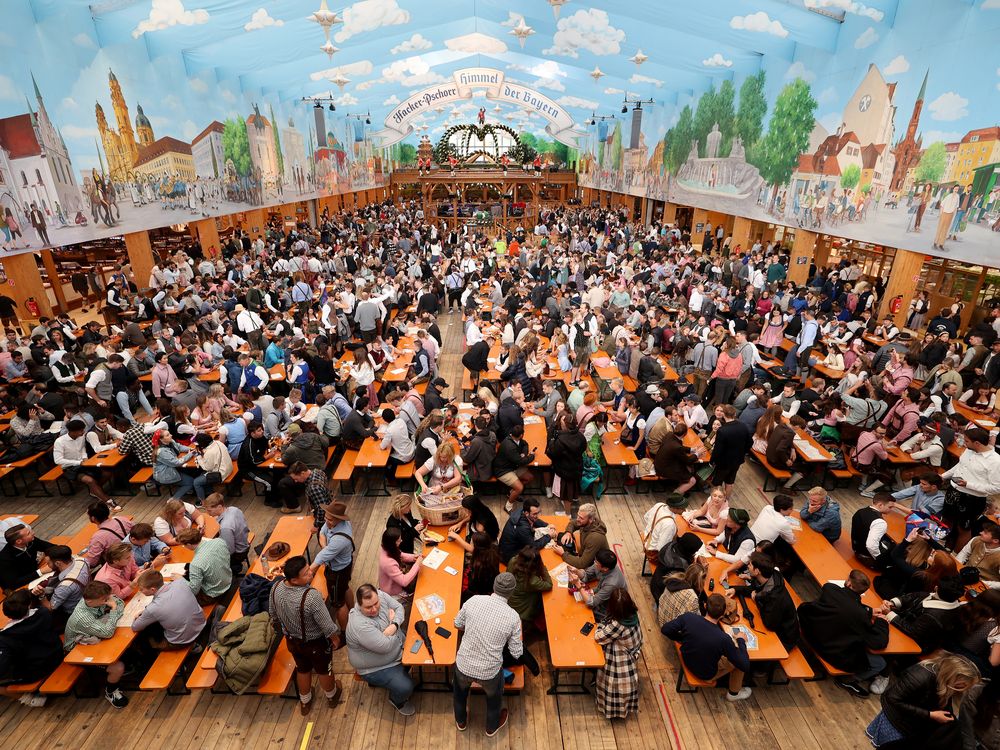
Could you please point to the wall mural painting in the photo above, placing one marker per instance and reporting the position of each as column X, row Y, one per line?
column 901, row 149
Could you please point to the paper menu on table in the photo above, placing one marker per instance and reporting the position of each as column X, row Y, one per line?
column 807, row 448
column 430, row 606
column 434, row 558
column 747, row 634
column 173, row 570
column 133, row 608
column 560, row 575
column 397, row 370
column 795, row 523
column 532, row 420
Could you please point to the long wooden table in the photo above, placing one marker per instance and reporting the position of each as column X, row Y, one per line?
column 569, row 649
column 769, row 646
column 448, row 587
column 826, row 564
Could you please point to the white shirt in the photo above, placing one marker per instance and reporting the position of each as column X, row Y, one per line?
column 472, row 334
column 876, row 531
column 665, row 529
column 981, row 472
column 69, row 452
column 770, row 524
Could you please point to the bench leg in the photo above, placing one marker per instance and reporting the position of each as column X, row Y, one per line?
column 691, row 689
column 581, row 687
column 772, row 668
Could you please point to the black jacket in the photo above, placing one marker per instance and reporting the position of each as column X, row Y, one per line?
column 433, row 399
column 907, row 704
column 479, row 456
column 732, row 445
column 354, row 428
column 565, row 449
column 926, row 619
column 17, row 566
column 840, row 628
column 476, row 358
column 508, row 415
column 518, row 533
column 29, row 650
column 777, row 609
column 511, row 456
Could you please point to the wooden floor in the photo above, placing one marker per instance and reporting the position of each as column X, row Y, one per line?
column 799, row 715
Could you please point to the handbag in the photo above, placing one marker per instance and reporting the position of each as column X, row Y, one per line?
column 732, row 613
column 213, row 477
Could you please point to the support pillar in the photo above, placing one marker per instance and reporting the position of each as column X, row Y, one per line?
column 821, row 255
column 802, row 253
column 24, row 281
column 54, row 281
column 669, row 213
column 742, row 227
column 698, row 216
column 140, row 255
column 903, row 280
column 208, row 237
column 254, row 221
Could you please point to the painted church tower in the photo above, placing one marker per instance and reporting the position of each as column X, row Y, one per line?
column 129, row 144
column 143, row 128
column 908, row 148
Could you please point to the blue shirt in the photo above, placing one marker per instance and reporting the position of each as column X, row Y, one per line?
column 928, row 504
column 339, row 550
column 144, row 553
column 273, row 355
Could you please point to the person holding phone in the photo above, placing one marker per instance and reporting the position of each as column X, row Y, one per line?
column 930, row 705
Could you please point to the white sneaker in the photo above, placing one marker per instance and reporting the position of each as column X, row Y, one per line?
column 548, row 492
column 868, row 493
column 879, row 684
column 740, row 696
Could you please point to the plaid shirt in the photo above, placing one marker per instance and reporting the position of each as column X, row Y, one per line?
column 318, row 495
column 287, row 610
column 137, row 443
column 489, row 624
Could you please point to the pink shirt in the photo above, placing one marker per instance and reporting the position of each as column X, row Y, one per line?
column 391, row 578
column 120, row 580
column 163, row 375
column 728, row 367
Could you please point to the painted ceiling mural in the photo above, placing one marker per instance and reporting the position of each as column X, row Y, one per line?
column 877, row 121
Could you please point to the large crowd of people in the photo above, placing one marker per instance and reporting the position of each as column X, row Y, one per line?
column 283, row 343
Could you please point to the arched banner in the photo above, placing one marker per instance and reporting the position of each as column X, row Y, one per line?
column 398, row 121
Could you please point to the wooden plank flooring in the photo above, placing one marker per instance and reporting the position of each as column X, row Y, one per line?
column 800, row 715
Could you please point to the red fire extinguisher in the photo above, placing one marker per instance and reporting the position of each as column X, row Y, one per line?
column 32, row 306
column 896, row 304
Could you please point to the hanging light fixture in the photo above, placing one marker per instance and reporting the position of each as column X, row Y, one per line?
column 333, row 108
column 329, row 49
column 325, row 18
column 368, row 118
column 340, row 80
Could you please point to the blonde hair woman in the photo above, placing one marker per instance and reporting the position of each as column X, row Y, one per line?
column 174, row 518
column 441, row 469
column 711, row 516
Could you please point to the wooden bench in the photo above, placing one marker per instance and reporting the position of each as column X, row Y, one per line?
column 168, row 664
column 685, row 675
column 144, row 478
column 467, row 387
column 776, row 474
column 516, row 685
column 345, row 469
column 404, row 473
column 62, row 680
column 795, row 667
column 14, row 468
column 56, row 474
column 843, row 477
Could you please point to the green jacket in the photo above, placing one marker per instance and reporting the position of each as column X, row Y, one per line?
column 244, row 649
column 527, row 594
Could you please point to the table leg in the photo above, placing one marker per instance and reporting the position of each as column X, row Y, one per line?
column 581, row 687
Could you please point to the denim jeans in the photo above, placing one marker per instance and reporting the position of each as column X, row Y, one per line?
column 876, row 666
column 122, row 398
column 395, row 679
column 200, row 483
column 185, row 486
column 492, row 687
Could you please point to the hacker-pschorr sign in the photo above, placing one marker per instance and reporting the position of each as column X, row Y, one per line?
column 398, row 121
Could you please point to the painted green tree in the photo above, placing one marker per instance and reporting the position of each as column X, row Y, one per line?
column 616, row 148
column 236, row 145
column 277, row 141
column 753, row 107
column 704, row 117
column 407, row 153
column 777, row 154
column 850, row 177
column 724, row 114
column 932, row 164
column 681, row 136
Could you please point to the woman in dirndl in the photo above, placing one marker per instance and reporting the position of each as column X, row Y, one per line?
column 621, row 638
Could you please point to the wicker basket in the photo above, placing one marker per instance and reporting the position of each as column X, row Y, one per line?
column 443, row 515
column 439, row 516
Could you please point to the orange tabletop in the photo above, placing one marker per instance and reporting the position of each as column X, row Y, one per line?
column 898, row 456
column 564, row 616
column 821, row 454
column 107, row 459
column 276, row 373
column 768, row 644
column 692, row 441
column 983, row 419
column 826, row 564
column 536, row 436
column 448, row 587
column 212, row 376
column 272, row 460
column 395, row 372
column 371, row 454
column 617, row 453
column 28, row 518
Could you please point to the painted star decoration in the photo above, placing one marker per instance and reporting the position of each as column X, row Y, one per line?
column 522, row 31
column 638, row 58
column 597, row 74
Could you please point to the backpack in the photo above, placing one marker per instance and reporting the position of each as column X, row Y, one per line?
column 255, row 591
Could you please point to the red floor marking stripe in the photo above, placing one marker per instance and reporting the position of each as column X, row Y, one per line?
column 670, row 717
